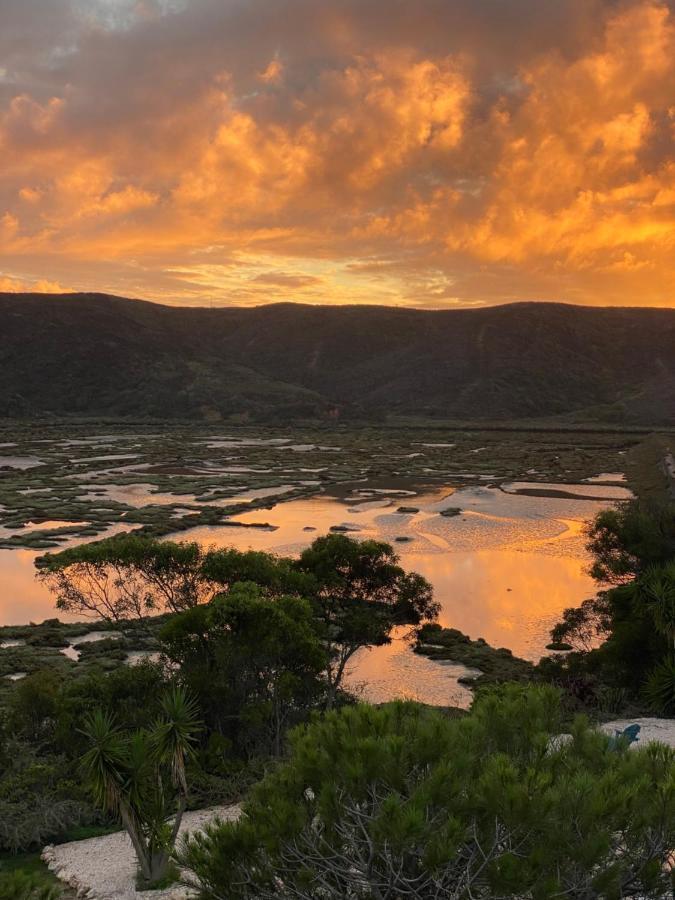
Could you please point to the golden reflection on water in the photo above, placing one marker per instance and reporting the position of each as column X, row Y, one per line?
column 380, row 673
column 508, row 597
column 509, row 592
column 22, row 598
column 504, row 569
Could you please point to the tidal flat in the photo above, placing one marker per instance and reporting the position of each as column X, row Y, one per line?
column 493, row 518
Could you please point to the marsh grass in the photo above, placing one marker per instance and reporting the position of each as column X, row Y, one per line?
column 203, row 469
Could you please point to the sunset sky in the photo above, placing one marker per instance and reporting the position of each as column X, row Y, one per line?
column 431, row 153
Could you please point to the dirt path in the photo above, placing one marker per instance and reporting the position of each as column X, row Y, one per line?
column 662, row 730
column 104, row 868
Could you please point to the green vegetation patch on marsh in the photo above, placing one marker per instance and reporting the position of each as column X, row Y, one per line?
column 99, row 479
column 494, row 664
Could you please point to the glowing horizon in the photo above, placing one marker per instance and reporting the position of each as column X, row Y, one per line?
column 435, row 155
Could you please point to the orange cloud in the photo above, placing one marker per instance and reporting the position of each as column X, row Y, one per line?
column 460, row 155
column 9, row 284
column 571, row 183
column 272, row 72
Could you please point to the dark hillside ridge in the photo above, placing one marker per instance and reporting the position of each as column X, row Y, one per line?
column 97, row 355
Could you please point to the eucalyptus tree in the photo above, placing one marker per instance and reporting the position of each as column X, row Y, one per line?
column 626, row 539
column 360, row 595
column 624, row 638
column 126, row 577
column 254, row 661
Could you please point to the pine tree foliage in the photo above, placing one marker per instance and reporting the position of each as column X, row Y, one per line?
column 401, row 801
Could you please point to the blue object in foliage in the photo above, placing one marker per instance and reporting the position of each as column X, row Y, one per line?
column 625, row 738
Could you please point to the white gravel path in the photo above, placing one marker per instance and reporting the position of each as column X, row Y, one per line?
column 104, row 868
column 662, row 730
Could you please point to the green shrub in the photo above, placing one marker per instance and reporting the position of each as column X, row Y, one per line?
column 39, row 799
column 399, row 801
column 18, row 885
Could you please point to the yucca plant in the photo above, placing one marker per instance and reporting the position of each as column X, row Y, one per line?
column 657, row 587
column 140, row 778
column 659, row 690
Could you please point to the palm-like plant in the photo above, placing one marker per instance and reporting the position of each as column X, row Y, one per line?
column 660, row 688
column 140, row 777
column 657, row 587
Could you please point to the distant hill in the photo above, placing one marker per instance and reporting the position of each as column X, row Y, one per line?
column 97, row 355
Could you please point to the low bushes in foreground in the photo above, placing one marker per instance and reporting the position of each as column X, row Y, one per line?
column 400, row 801
column 20, row 885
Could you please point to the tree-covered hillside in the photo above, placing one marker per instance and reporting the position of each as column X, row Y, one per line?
column 96, row 355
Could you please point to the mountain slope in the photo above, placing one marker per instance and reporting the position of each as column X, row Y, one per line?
column 89, row 354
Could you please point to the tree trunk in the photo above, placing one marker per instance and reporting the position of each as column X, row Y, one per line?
column 336, row 681
column 142, row 854
column 158, row 865
column 182, row 803
column 330, row 695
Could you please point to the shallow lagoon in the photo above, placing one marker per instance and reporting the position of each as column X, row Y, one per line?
column 503, row 568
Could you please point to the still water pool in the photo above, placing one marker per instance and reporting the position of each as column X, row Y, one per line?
column 503, row 567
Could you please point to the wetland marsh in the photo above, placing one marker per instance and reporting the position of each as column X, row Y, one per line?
column 494, row 519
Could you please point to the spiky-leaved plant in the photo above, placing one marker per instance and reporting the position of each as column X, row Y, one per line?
column 660, row 688
column 140, row 777
column 657, row 588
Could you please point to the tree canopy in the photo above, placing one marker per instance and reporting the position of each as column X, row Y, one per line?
column 357, row 590
column 626, row 539
column 126, row 576
column 401, row 801
column 624, row 638
column 361, row 595
column 254, row 662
